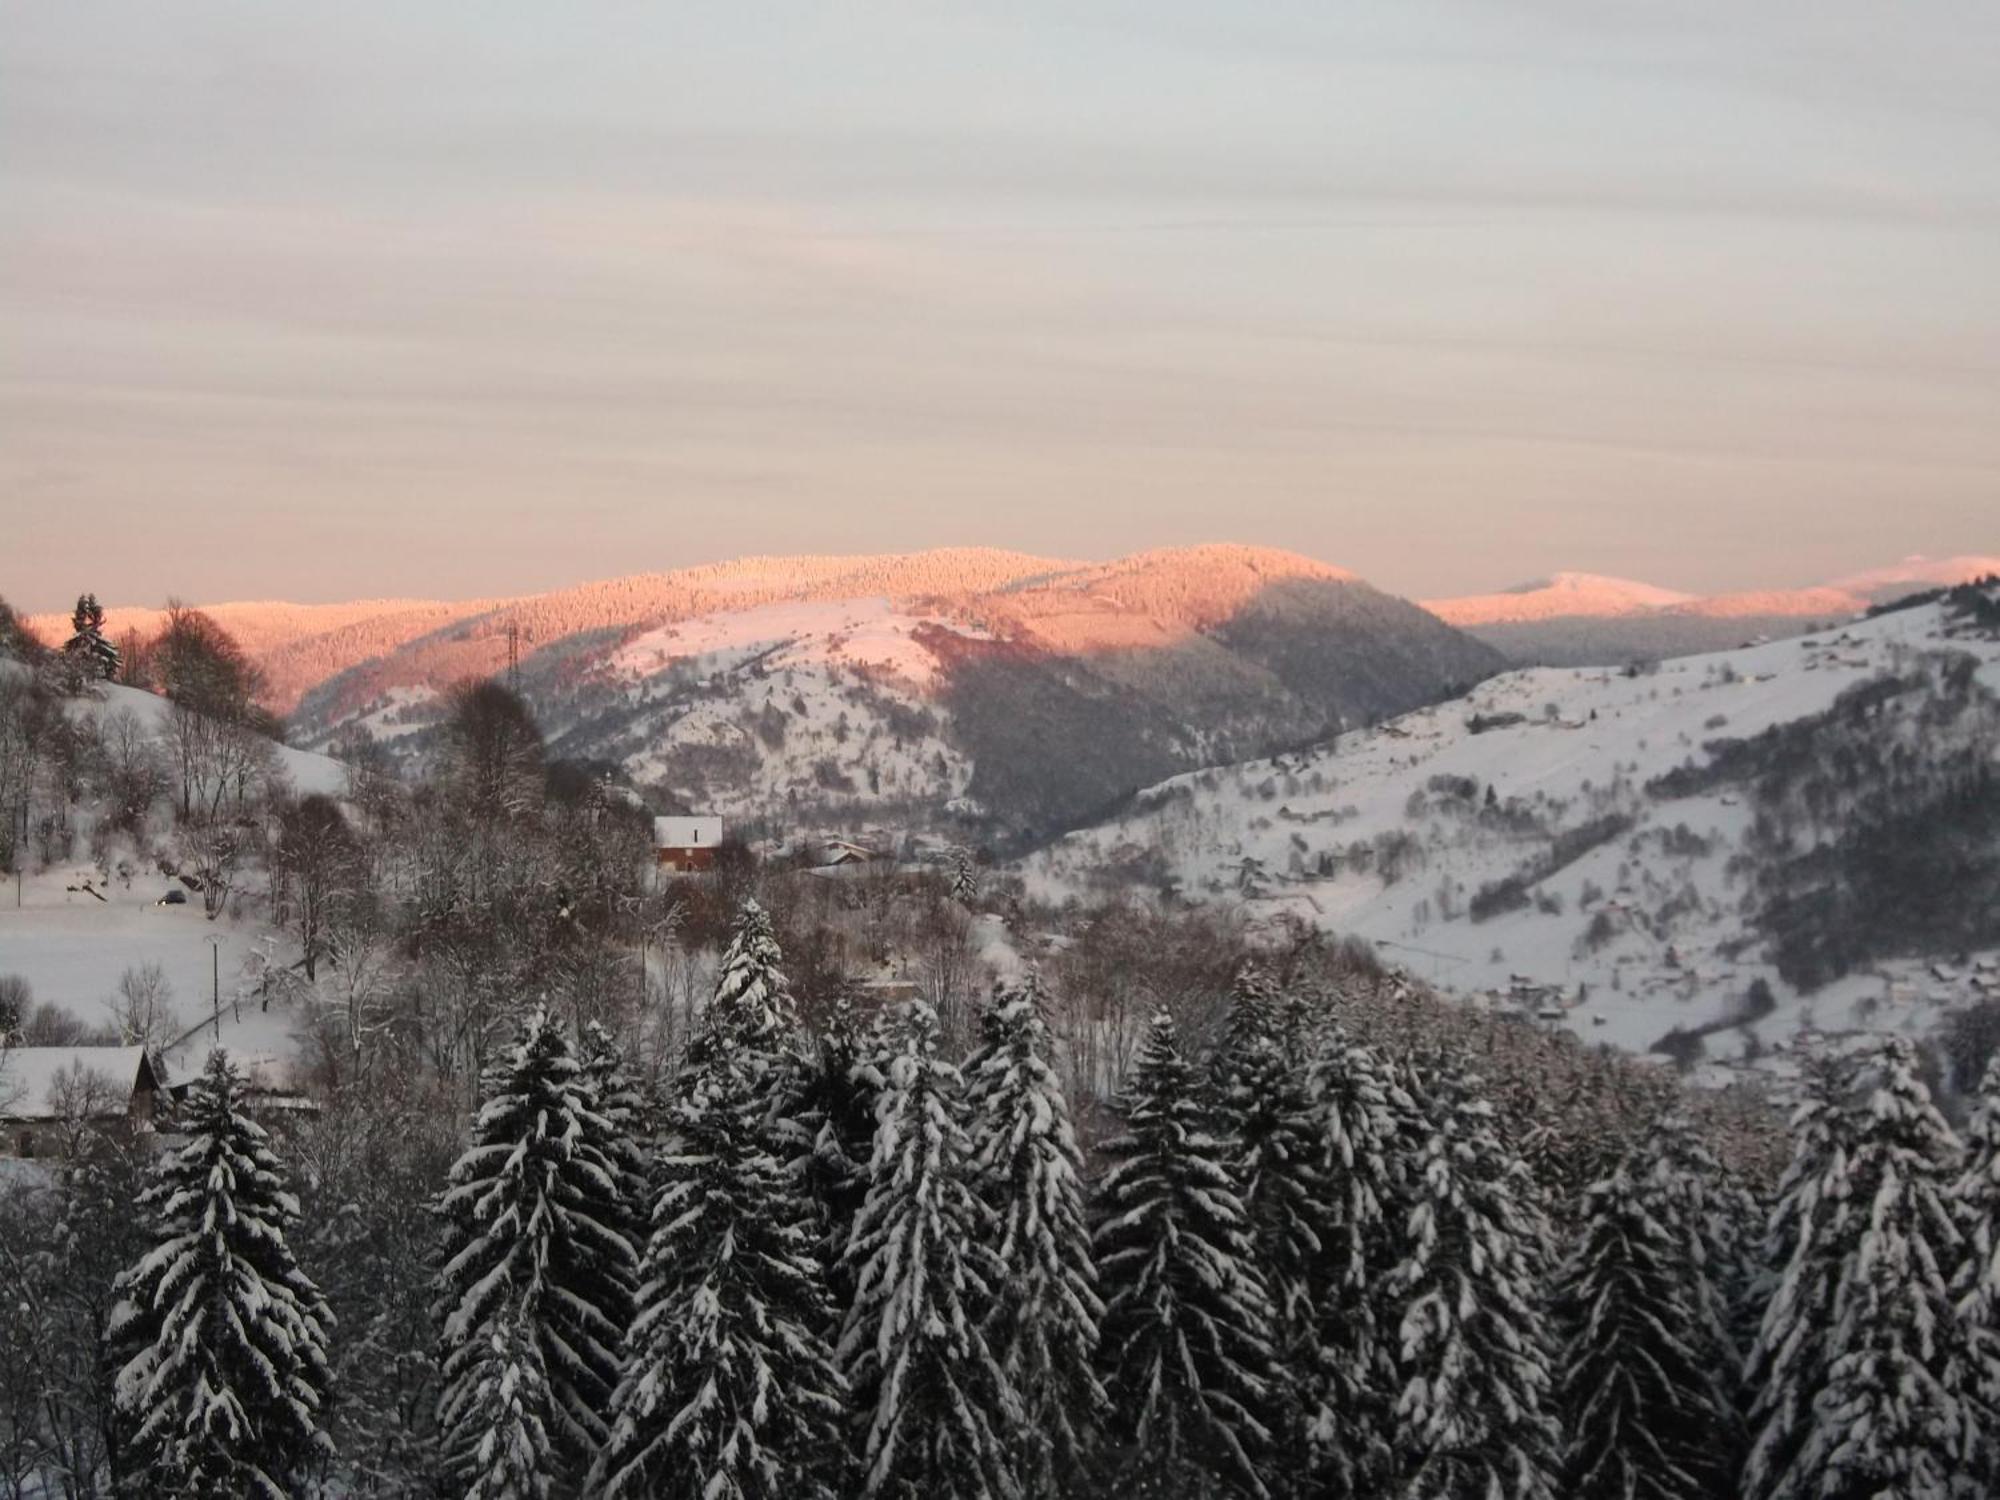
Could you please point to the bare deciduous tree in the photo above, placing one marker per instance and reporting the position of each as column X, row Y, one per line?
column 212, row 850
column 316, row 856
column 82, row 1100
column 143, row 1009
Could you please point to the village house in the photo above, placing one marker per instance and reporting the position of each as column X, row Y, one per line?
column 686, row 845
column 48, row 1095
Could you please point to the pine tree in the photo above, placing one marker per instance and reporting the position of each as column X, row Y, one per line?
column 1029, row 1170
column 87, row 644
column 619, row 1102
column 1252, row 1019
column 223, row 1336
column 936, row 1412
column 1474, row 1414
column 964, row 876
column 534, row 1257
column 506, row 1454
column 1720, row 1222
column 1369, row 1134
column 729, row 1390
column 1802, row 1256
column 836, row 1109
column 752, row 997
column 1186, row 1352
column 1276, row 1157
column 1974, row 1378
column 1885, row 1425
column 1644, row 1386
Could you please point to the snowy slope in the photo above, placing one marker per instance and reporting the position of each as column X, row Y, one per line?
column 309, row 772
column 75, row 932
column 827, row 702
column 929, row 687
column 1288, row 834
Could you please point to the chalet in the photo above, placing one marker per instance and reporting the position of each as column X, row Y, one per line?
column 48, row 1093
column 685, row 845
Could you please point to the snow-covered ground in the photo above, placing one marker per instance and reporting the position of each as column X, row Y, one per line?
column 309, row 772
column 1278, row 834
column 73, row 949
column 871, row 632
column 73, row 946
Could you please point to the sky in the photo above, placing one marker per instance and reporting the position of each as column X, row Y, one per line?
column 322, row 301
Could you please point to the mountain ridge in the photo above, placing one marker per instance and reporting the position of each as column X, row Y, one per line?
column 1017, row 691
column 1582, row 619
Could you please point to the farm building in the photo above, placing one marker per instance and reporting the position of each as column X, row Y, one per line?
column 685, row 845
column 48, row 1093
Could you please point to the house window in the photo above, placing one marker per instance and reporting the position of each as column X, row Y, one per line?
column 28, row 1144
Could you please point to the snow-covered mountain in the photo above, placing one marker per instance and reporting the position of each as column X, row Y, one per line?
column 1584, row 619
column 1637, row 853
column 1022, row 693
column 1560, row 596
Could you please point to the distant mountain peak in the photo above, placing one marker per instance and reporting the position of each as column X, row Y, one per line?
column 1556, row 596
column 1917, row 572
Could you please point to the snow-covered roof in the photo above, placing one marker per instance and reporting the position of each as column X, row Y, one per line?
column 29, row 1075
column 686, row 833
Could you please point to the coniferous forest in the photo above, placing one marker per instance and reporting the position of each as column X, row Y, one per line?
column 1293, row 1264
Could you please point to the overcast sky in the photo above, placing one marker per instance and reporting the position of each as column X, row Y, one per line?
column 320, row 300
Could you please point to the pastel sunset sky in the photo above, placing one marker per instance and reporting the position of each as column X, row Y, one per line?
column 319, row 300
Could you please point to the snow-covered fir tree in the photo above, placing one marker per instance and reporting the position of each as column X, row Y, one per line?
column 1475, row 1416
column 1885, row 1426
column 1369, row 1133
column 1186, row 1352
column 1726, row 1223
column 838, row 1088
column 1645, row 1386
column 1252, row 1018
column 1276, row 1157
column 223, row 1339
column 729, row 1390
column 87, row 645
column 753, row 999
column 1029, row 1170
column 621, row 1104
column 936, row 1414
column 964, row 875
column 506, row 1454
column 1721, row 1223
column 1802, row 1255
column 1974, row 1374
column 534, row 1250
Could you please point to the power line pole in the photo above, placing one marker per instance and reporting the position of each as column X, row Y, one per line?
column 513, row 656
column 215, row 981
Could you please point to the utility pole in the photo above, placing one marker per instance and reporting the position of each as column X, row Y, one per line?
column 513, row 656
column 215, row 981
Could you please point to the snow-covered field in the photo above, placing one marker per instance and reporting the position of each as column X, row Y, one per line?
column 73, row 949
column 1278, row 835
column 73, row 946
